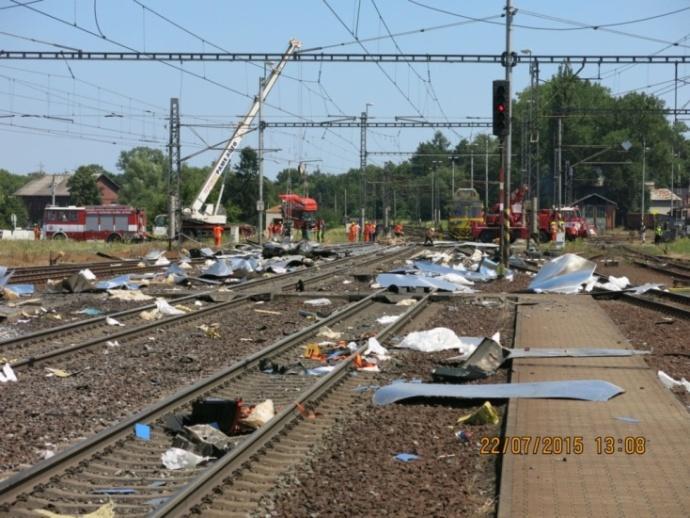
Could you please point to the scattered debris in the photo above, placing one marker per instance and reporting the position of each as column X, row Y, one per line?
column 166, row 309
column 177, row 458
column 142, row 431
column 129, row 295
column 463, row 436
column 327, row 332
column 670, row 383
column 388, row 319
column 439, row 339
column 260, row 415
column 58, row 373
column 565, row 274
column 212, row 330
column 626, row 419
column 267, row 312
column 7, row 374
column 105, row 511
column 90, row 312
column 486, row 414
column 406, row 457
column 374, row 348
column 588, row 390
column 113, row 322
column 318, row 302
column 406, row 302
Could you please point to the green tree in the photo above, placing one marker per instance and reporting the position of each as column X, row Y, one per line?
column 82, row 185
column 9, row 204
column 143, row 180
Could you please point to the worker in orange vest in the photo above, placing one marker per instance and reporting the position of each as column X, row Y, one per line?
column 367, row 232
column 218, row 235
column 351, row 234
column 398, row 230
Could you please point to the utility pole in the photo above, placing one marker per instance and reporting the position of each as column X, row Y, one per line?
column 471, row 169
column 559, row 171
column 174, row 172
column 260, row 153
column 363, row 167
column 644, row 171
column 509, row 61
column 486, row 174
column 452, row 175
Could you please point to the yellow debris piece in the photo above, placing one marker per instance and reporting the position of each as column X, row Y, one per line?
column 484, row 415
column 105, row 511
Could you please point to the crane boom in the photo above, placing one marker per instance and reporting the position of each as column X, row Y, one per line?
column 242, row 129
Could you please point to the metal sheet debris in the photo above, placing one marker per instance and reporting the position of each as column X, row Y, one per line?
column 176, row 458
column 386, row 280
column 565, row 274
column 119, row 282
column 588, row 390
column 219, row 269
column 581, row 352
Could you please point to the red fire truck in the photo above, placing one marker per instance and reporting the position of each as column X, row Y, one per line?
column 102, row 222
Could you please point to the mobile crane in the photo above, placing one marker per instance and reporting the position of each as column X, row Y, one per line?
column 201, row 217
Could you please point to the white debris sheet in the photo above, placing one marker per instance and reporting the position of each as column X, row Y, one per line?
column 177, row 458
column 7, row 374
column 441, row 339
column 670, row 383
column 318, row 302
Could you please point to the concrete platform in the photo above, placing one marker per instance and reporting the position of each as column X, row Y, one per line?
column 545, row 483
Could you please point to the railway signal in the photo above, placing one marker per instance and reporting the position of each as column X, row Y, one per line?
column 500, row 108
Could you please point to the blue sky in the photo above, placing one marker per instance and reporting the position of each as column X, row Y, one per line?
column 79, row 131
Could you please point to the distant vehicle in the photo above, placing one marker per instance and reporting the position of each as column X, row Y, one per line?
column 110, row 223
column 488, row 228
column 467, row 210
column 575, row 225
column 298, row 210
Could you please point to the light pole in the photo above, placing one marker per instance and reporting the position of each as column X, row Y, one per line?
column 644, row 170
column 452, row 174
column 435, row 210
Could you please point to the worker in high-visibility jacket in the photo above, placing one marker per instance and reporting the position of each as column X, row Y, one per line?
column 218, row 235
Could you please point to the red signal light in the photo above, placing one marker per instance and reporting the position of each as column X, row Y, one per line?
column 501, row 108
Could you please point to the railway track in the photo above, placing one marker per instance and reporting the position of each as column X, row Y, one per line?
column 236, row 483
column 85, row 476
column 665, row 302
column 67, row 339
column 39, row 275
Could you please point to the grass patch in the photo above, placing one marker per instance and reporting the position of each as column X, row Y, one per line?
column 30, row 253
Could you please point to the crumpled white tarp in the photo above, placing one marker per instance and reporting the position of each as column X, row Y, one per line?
column 670, row 383
column 644, row 288
column 7, row 374
column 129, row 296
column 177, row 458
column 166, row 309
column 387, row 319
column 374, row 348
column 318, row 302
column 439, row 339
column 565, row 274
column 612, row 284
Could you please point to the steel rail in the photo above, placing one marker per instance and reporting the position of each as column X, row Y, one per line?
column 192, row 494
column 84, row 325
column 41, row 472
column 239, row 287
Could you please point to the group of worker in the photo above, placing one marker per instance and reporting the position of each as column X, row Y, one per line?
column 371, row 231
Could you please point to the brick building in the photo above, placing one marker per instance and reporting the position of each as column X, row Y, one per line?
column 40, row 192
